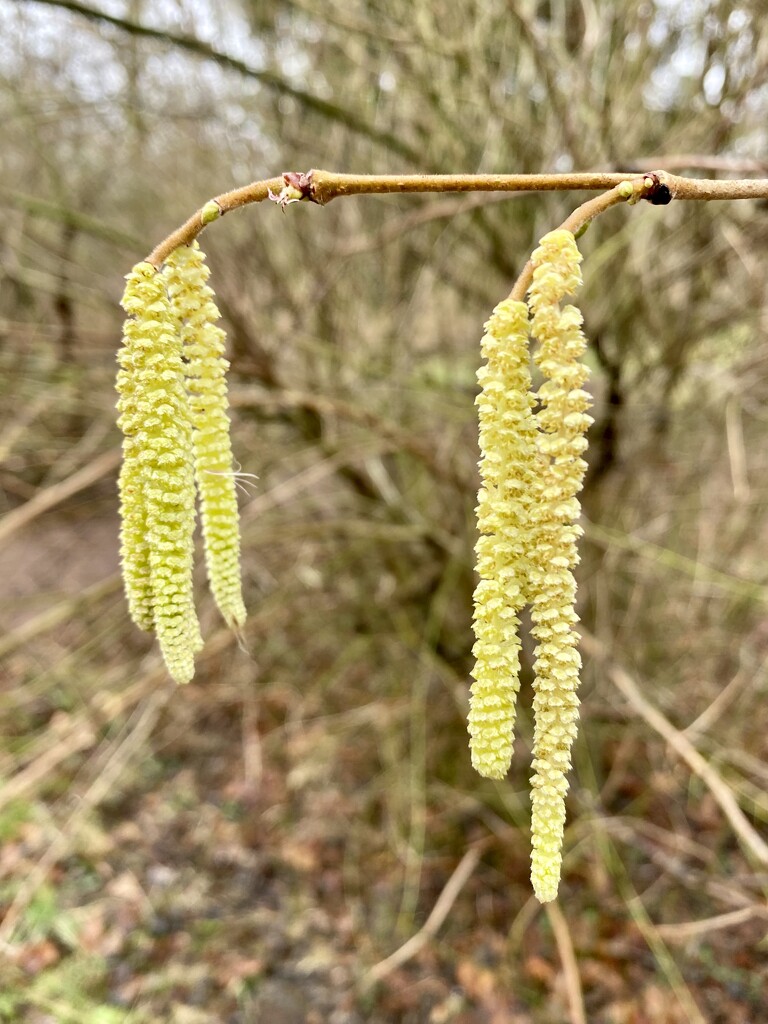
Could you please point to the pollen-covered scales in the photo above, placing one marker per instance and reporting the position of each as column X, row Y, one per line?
column 532, row 469
column 507, row 468
column 563, row 422
column 203, row 346
column 157, row 483
column 172, row 412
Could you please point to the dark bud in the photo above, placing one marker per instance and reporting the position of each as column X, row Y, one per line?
column 660, row 196
column 655, row 191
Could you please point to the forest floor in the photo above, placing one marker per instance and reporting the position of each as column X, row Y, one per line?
column 222, row 865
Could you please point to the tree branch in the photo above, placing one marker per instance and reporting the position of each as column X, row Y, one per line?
column 316, row 186
column 267, row 78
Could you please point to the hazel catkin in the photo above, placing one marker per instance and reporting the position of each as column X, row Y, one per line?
column 202, row 341
column 563, row 421
column 157, row 482
column 507, row 469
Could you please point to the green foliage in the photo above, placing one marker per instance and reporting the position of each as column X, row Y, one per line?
column 12, row 817
column 71, row 993
column 45, row 918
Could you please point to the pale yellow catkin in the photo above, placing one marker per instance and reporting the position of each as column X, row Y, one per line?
column 196, row 316
column 563, row 422
column 507, row 469
column 134, row 546
column 157, row 481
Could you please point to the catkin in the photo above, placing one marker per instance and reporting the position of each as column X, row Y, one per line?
column 563, row 422
column 532, row 469
column 157, row 482
column 203, row 341
column 507, row 469
column 134, row 546
column 173, row 413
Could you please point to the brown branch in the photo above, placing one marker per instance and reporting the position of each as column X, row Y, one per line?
column 328, row 185
column 256, row 192
column 321, row 187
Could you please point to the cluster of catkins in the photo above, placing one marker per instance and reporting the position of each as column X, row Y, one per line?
column 173, row 413
column 532, row 470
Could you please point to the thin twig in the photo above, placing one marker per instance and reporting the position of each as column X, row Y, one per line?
column 318, row 186
column 54, row 495
column 429, row 929
column 579, row 220
column 721, row 792
column 686, row 930
column 567, row 955
column 328, row 185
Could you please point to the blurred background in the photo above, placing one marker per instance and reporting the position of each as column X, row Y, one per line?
column 254, row 846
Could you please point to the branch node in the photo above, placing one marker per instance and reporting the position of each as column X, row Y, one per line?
column 655, row 190
column 297, row 186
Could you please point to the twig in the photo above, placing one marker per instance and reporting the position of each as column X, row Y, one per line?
column 579, row 220
column 52, row 496
column 721, row 792
column 690, row 929
column 429, row 929
column 327, row 185
column 318, row 186
column 570, row 965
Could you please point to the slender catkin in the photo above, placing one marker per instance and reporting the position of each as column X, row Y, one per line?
column 507, row 469
column 157, row 482
column 195, row 314
column 563, row 423
column 134, row 546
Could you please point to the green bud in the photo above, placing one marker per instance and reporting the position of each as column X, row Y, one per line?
column 210, row 212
